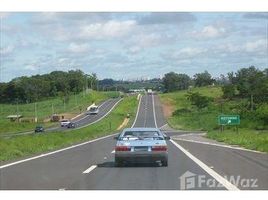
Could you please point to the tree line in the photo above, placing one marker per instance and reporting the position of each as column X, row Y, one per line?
column 38, row 87
column 248, row 85
column 245, row 83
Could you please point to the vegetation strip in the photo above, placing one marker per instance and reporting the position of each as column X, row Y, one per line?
column 23, row 146
column 198, row 108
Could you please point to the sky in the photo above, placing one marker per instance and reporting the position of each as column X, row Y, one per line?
column 131, row 45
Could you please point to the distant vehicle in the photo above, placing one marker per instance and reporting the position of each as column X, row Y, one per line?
column 71, row 125
column 141, row 145
column 64, row 122
column 93, row 110
column 39, row 129
column 150, row 91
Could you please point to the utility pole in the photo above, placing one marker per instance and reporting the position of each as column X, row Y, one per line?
column 75, row 99
column 35, row 111
column 17, row 111
column 52, row 108
column 64, row 104
column 251, row 102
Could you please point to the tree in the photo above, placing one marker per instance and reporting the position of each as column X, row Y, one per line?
column 198, row 100
column 203, row 79
column 229, row 91
column 252, row 83
column 173, row 81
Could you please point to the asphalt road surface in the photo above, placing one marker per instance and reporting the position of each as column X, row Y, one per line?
column 90, row 166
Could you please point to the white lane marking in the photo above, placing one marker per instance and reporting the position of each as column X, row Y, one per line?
column 99, row 118
column 90, row 169
column 145, row 112
column 154, row 112
column 210, row 171
column 87, row 115
column 219, row 145
column 137, row 113
column 113, row 151
column 60, row 150
column 163, row 126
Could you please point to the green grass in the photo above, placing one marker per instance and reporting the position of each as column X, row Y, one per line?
column 250, row 139
column 22, row 146
column 206, row 119
column 44, row 108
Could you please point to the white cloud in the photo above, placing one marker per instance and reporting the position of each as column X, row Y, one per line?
column 4, row 51
column 259, row 45
column 31, row 67
column 183, row 56
column 78, row 48
column 110, row 28
column 189, row 51
column 134, row 49
column 210, row 32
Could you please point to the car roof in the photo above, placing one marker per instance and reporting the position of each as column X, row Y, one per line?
column 141, row 129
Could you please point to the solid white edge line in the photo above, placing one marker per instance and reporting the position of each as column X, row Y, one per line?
column 101, row 117
column 137, row 112
column 215, row 175
column 53, row 152
column 90, row 169
column 154, row 111
column 218, row 145
column 163, row 126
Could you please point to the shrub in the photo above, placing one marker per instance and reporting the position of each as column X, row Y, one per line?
column 181, row 111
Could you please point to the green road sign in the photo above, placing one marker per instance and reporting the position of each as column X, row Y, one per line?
column 229, row 119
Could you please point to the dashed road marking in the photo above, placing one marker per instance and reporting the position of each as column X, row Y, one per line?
column 113, row 151
column 90, row 169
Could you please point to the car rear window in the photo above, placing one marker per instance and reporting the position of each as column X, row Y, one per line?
column 142, row 134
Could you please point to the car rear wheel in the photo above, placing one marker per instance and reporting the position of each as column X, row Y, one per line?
column 118, row 162
column 164, row 163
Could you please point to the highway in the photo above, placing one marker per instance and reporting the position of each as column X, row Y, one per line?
column 90, row 166
column 80, row 121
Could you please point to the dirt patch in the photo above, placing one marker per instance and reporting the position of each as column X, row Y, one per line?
column 66, row 116
column 168, row 108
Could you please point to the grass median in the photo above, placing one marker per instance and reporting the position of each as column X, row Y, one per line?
column 251, row 133
column 23, row 146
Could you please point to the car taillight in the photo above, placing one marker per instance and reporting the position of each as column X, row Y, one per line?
column 122, row 148
column 159, row 148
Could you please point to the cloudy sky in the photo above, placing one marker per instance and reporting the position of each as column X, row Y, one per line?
column 132, row 45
